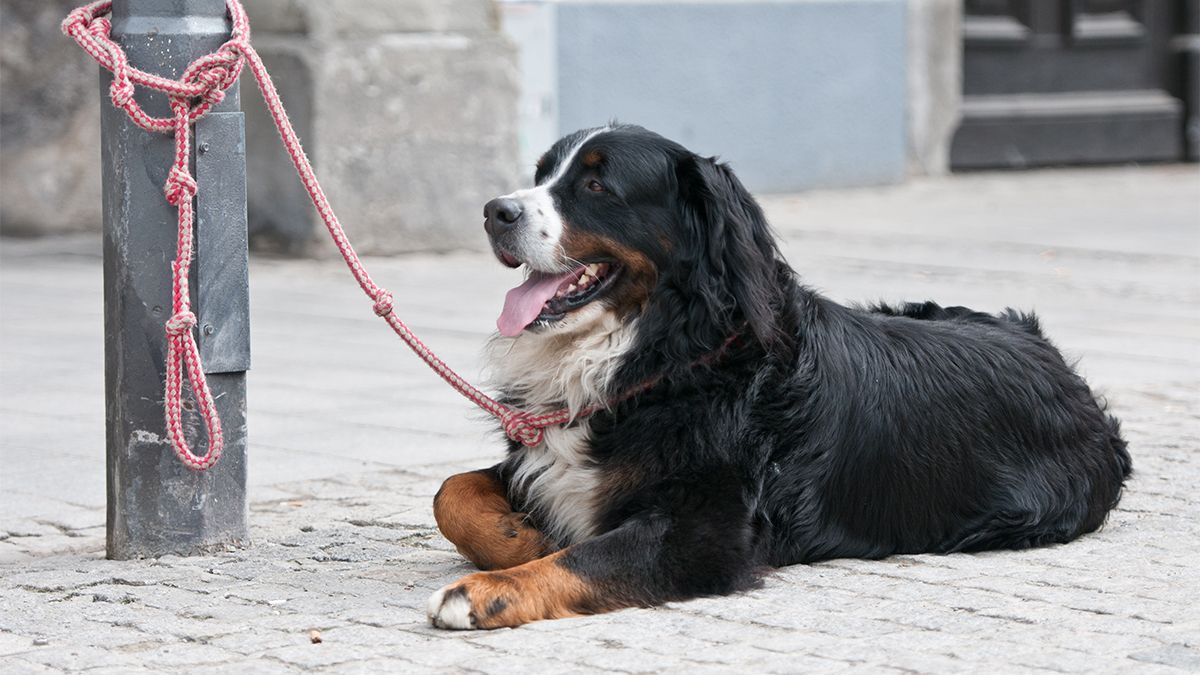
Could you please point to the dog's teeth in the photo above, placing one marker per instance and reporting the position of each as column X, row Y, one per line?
column 571, row 288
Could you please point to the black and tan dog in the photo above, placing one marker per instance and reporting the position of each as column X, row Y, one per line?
column 781, row 427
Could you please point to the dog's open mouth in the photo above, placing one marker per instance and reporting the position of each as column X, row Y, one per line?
column 547, row 297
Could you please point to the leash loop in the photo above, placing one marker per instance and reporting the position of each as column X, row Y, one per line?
column 521, row 427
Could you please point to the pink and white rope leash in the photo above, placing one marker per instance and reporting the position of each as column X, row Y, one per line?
column 201, row 86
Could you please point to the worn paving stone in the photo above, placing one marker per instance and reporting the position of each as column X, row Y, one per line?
column 346, row 459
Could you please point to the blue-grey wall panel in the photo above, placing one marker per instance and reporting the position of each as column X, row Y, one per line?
column 807, row 93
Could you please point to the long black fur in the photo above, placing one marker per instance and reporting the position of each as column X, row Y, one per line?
column 823, row 431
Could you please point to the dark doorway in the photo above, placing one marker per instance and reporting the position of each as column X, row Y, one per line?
column 1050, row 82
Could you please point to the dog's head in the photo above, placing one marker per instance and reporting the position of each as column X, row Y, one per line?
column 626, row 226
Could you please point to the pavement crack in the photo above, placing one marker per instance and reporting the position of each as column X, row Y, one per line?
column 360, row 522
column 42, row 589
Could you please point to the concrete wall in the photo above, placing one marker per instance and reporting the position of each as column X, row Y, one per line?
column 934, row 83
column 407, row 108
column 49, row 124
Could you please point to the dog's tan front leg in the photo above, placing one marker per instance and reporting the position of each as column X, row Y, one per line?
column 473, row 512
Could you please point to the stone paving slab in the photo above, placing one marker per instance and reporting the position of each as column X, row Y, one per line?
column 350, row 437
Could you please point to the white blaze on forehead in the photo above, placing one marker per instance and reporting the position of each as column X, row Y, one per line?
column 565, row 164
column 543, row 228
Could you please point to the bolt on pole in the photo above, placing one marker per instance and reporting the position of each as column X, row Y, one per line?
column 156, row 505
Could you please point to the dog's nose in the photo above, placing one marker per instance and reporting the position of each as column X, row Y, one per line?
column 500, row 215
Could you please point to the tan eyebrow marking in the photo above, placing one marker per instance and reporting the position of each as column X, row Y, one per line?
column 593, row 159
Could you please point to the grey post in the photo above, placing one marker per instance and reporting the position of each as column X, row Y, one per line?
column 156, row 505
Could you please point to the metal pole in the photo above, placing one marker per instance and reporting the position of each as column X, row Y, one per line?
column 156, row 505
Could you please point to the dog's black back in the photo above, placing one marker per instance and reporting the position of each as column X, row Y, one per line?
column 886, row 430
column 936, row 430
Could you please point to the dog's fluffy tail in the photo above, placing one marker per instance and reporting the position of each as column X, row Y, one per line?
column 1028, row 321
column 1119, row 447
column 931, row 311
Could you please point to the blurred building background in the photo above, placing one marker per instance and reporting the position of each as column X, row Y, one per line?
column 418, row 111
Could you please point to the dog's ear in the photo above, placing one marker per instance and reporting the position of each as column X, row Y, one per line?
column 736, row 261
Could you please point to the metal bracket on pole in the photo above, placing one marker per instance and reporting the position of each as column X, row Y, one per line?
column 156, row 505
column 222, row 288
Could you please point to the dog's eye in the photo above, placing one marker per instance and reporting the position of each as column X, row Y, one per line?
column 595, row 186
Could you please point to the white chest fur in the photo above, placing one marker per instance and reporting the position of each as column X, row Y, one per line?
column 571, row 365
column 558, row 479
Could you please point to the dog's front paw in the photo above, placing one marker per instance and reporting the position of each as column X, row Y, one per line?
column 538, row 590
column 450, row 607
column 481, row 600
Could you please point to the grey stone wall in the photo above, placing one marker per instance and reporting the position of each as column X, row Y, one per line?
column 407, row 108
column 934, row 83
column 49, row 124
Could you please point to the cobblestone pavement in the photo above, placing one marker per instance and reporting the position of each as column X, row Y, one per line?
column 346, row 457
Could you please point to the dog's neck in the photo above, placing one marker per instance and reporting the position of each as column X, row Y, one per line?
column 575, row 368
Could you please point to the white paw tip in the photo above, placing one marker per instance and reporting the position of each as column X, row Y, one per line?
column 453, row 612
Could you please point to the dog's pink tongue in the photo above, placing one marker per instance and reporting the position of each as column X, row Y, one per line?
column 524, row 303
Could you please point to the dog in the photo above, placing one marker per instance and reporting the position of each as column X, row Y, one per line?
column 745, row 422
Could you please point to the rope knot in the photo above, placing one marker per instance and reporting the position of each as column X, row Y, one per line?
column 215, row 79
column 77, row 19
column 99, row 26
column 214, row 96
column 383, row 302
column 214, row 73
column 120, row 92
column 519, row 427
column 180, row 324
column 180, row 187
